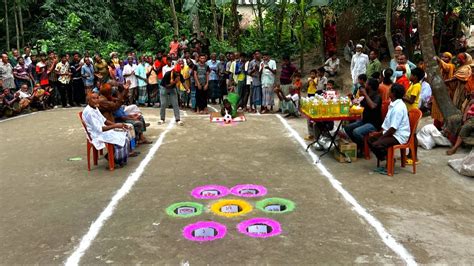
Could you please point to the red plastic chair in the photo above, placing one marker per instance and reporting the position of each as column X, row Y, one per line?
column 95, row 152
column 385, row 106
column 414, row 116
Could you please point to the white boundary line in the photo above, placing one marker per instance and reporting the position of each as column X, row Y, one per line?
column 19, row 116
column 369, row 218
column 212, row 107
column 97, row 225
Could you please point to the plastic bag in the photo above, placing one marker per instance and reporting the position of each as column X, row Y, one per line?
column 429, row 136
column 464, row 166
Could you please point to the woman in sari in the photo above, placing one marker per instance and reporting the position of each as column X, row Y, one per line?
column 457, row 84
column 447, row 72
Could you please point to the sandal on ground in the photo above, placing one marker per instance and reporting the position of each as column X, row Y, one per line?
column 410, row 162
column 145, row 142
column 161, row 122
column 180, row 123
column 309, row 138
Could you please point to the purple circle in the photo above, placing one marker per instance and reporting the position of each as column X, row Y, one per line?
column 275, row 226
column 245, row 191
column 190, row 231
column 210, row 192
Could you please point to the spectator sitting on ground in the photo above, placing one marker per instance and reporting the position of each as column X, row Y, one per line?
column 467, row 127
column 331, row 66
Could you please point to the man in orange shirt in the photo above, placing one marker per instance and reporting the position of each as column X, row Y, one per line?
column 174, row 46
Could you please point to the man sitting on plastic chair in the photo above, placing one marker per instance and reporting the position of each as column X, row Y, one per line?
column 103, row 131
column 396, row 126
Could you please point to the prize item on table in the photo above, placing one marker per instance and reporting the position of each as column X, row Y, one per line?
column 328, row 105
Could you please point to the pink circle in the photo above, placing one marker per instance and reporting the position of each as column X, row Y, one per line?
column 210, row 192
column 245, row 191
column 275, row 226
column 203, row 228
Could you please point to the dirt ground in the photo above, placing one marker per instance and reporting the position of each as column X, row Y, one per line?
column 48, row 203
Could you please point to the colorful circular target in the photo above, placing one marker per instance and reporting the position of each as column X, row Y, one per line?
column 210, row 192
column 204, row 231
column 231, row 208
column 259, row 227
column 184, row 209
column 248, row 191
column 275, row 205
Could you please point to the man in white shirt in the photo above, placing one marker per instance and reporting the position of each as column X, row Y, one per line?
column 359, row 63
column 268, row 67
column 129, row 75
column 103, row 131
column 331, row 66
column 396, row 126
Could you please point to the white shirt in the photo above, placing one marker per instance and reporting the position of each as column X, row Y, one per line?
column 397, row 117
column 27, row 59
column 359, row 64
column 268, row 78
column 248, row 78
column 128, row 70
column 425, row 94
column 333, row 64
column 94, row 121
column 166, row 69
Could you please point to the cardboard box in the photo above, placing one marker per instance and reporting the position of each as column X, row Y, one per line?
column 346, row 147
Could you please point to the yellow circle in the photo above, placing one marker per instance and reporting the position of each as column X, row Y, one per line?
column 227, row 208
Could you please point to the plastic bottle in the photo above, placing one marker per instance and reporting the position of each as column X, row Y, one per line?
column 345, row 106
column 336, row 108
column 324, row 108
column 314, row 108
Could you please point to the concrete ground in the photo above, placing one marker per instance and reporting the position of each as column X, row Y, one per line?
column 48, row 202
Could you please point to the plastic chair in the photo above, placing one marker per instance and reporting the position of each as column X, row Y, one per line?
column 385, row 106
column 95, row 152
column 414, row 116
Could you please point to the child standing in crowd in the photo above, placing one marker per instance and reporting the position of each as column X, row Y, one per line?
column 412, row 98
column 312, row 83
column 322, row 81
column 403, row 80
column 296, row 85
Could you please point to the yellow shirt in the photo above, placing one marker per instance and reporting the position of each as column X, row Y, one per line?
column 312, row 85
column 413, row 90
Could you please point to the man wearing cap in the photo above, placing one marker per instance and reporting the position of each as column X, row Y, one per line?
column 359, row 63
column 397, row 61
column 169, row 86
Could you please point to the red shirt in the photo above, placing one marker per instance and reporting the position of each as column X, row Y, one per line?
column 403, row 80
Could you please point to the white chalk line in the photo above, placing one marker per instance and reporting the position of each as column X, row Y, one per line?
column 97, row 225
column 386, row 237
column 213, row 108
column 15, row 117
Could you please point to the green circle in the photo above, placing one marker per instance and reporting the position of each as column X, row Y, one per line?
column 289, row 205
column 172, row 207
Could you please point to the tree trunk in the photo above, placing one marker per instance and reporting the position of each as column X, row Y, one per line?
column 235, row 24
column 175, row 18
column 222, row 25
column 388, row 28
column 321, row 35
column 440, row 91
column 7, row 28
column 17, row 28
column 215, row 26
column 280, row 18
column 302, row 32
column 260, row 16
column 407, row 31
column 195, row 18
column 22, row 32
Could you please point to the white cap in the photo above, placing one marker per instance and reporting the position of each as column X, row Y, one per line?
column 359, row 46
